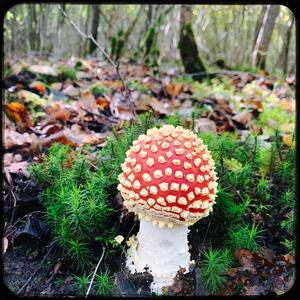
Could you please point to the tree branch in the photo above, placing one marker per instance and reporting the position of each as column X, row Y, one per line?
column 90, row 37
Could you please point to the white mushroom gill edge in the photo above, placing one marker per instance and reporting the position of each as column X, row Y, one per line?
column 163, row 250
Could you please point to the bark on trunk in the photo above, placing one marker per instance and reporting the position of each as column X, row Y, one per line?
column 259, row 24
column 264, row 36
column 187, row 44
column 95, row 24
column 284, row 54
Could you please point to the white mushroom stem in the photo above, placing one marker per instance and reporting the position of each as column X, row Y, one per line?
column 163, row 250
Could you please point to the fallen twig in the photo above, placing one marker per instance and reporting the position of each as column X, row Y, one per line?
column 94, row 274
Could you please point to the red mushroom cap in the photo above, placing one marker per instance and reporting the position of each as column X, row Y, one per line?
column 168, row 176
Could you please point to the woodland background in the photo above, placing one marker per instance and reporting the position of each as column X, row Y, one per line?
column 224, row 33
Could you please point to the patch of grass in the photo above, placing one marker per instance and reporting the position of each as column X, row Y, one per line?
column 214, row 267
column 77, row 199
column 82, row 283
column 68, row 72
column 244, row 236
column 104, row 284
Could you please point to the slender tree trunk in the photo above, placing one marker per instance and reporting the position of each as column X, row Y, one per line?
column 259, row 24
column 149, row 16
column 28, row 45
column 58, row 47
column 283, row 57
column 95, row 25
column 187, row 45
column 264, row 36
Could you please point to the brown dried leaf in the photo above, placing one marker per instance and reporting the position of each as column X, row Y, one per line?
column 289, row 105
column 205, row 125
column 56, row 112
column 245, row 257
column 71, row 91
column 244, row 118
column 255, row 104
column 103, row 102
column 287, row 139
column 153, row 84
column 17, row 113
column 173, row 89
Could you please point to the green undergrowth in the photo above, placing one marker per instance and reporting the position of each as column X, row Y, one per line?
column 78, row 198
column 256, row 178
column 256, row 181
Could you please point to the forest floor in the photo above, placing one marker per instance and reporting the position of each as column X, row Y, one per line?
column 77, row 103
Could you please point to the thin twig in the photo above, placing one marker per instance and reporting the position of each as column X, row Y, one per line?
column 35, row 272
column 103, row 251
column 90, row 37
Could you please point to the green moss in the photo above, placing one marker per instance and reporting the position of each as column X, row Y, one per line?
column 68, row 72
column 214, row 266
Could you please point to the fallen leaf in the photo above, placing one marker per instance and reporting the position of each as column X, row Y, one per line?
column 255, row 104
column 34, row 228
column 287, row 139
column 7, row 159
column 13, row 138
column 59, row 137
column 56, row 112
column 289, row 105
column 44, row 70
column 39, row 87
column 153, row 84
column 18, row 167
column 173, row 89
column 205, row 125
column 71, row 91
column 243, row 118
column 103, row 102
column 245, row 257
column 17, row 113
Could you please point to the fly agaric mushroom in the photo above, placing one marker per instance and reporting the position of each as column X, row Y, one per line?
column 169, row 181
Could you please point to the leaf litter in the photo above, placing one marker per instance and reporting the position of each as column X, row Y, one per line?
column 42, row 107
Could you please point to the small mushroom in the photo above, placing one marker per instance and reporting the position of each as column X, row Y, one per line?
column 169, row 181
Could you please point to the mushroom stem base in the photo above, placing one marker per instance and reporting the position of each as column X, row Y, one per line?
column 162, row 250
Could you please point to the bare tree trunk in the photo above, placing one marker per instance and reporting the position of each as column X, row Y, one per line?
column 264, row 36
column 95, row 24
column 259, row 24
column 283, row 57
column 57, row 45
column 187, row 45
column 149, row 16
column 28, row 45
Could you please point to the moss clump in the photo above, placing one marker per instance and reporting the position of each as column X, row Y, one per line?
column 67, row 72
column 77, row 199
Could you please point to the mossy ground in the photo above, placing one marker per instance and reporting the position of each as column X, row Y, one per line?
column 255, row 204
